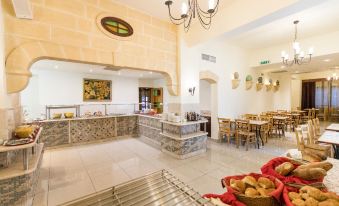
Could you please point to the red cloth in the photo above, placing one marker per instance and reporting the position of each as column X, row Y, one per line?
column 269, row 169
column 278, row 184
column 227, row 198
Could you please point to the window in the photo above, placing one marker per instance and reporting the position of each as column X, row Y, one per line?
column 116, row 26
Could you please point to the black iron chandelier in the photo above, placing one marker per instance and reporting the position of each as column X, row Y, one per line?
column 191, row 10
column 299, row 56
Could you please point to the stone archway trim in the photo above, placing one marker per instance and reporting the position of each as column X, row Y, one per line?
column 19, row 61
column 211, row 77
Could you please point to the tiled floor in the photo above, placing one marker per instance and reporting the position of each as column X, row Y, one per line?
column 73, row 172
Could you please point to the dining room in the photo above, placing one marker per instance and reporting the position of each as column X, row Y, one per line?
column 188, row 102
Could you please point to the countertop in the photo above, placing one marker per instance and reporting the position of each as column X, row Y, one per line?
column 82, row 118
column 184, row 123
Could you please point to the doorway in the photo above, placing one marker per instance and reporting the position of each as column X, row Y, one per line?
column 208, row 98
column 205, row 103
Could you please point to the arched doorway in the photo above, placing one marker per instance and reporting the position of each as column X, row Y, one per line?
column 209, row 96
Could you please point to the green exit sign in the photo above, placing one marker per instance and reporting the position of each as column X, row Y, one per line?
column 264, row 62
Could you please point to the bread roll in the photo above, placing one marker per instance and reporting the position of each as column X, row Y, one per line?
column 249, row 180
column 324, row 165
column 309, row 173
column 299, row 202
column 263, row 192
column 311, row 202
column 314, row 192
column 305, row 196
column 251, row 192
column 329, row 202
column 285, row 168
column 293, row 195
column 265, row 183
column 332, row 195
column 238, row 185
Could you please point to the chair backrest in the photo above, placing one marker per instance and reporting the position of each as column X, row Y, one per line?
column 224, row 124
column 311, row 132
column 251, row 116
column 313, row 113
column 242, row 125
column 316, row 125
column 300, row 139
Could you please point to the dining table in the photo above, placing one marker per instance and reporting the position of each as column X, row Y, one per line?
column 258, row 124
column 332, row 138
column 333, row 127
column 279, row 121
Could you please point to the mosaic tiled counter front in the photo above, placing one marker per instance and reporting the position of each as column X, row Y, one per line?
column 183, row 140
column 149, row 130
column 80, row 130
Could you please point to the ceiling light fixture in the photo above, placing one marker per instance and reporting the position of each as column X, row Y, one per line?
column 56, row 66
column 299, row 56
column 327, row 60
column 91, row 70
column 192, row 9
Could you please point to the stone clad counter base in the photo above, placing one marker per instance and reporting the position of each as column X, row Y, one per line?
column 84, row 130
column 19, row 190
column 178, row 140
column 149, row 131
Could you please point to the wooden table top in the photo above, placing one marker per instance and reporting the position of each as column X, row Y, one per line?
column 258, row 122
column 333, row 127
column 329, row 137
column 279, row 117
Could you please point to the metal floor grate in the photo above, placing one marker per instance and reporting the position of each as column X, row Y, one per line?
column 159, row 188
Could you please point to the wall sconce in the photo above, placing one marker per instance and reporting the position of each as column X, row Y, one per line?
column 191, row 90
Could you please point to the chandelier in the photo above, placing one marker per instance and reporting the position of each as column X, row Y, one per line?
column 191, row 10
column 299, row 56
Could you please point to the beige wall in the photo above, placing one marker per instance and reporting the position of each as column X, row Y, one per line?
column 72, row 23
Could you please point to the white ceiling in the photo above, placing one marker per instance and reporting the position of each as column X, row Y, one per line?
column 320, row 19
column 158, row 8
column 91, row 69
column 319, row 63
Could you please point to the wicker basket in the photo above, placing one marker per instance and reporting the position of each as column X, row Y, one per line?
column 257, row 201
column 254, row 201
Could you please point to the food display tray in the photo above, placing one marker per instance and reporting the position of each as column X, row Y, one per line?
column 159, row 188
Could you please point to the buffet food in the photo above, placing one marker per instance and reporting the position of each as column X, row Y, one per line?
column 311, row 196
column 24, row 131
column 311, row 171
column 57, row 115
column 69, row 115
column 254, row 189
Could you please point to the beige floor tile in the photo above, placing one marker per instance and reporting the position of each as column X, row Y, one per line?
column 204, row 165
column 71, row 191
column 40, row 199
column 207, row 185
column 186, row 173
column 109, row 179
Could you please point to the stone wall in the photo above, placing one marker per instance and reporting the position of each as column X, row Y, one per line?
column 67, row 30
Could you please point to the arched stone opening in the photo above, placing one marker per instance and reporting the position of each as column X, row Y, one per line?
column 19, row 61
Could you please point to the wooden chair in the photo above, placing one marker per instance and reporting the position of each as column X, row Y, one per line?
column 304, row 145
column 312, row 141
column 312, row 113
column 243, row 133
column 300, row 139
column 305, row 118
column 266, row 130
column 225, row 129
column 316, row 125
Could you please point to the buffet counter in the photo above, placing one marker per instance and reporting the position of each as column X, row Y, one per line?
column 62, row 132
column 180, row 140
